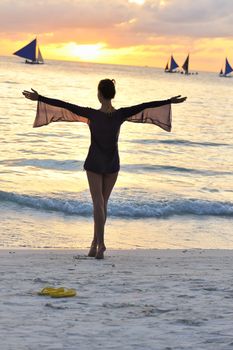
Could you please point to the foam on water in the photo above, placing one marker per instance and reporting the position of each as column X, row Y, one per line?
column 135, row 206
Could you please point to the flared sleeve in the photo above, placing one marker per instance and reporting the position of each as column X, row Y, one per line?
column 155, row 112
column 51, row 110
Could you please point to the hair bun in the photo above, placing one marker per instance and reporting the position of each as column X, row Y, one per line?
column 107, row 88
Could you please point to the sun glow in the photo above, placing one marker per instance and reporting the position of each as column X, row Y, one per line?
column 84, row 52
column 163, row 3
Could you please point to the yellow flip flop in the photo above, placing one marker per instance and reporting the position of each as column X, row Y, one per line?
column 58, row 292
column 64, row 293
column 49, row 290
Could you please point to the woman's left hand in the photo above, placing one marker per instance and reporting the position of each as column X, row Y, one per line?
column 177, row 99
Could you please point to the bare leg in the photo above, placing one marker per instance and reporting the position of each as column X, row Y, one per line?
column 100, row 188
column 95, row 184
column 109, row 181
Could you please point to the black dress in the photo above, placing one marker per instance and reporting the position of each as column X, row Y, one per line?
column 103, row 156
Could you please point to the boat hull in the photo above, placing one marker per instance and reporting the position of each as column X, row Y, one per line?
column 33, row 62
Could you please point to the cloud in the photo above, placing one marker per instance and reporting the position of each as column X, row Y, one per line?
column 199, row 18
column 118, row 23
column 47, row 15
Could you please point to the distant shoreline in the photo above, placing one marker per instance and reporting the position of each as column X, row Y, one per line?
column 105, row 64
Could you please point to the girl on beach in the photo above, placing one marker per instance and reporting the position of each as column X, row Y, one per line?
column 102, row 162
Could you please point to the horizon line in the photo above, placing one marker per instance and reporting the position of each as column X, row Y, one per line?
column 104, row 63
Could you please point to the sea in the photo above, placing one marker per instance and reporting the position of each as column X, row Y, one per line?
column 175, row 190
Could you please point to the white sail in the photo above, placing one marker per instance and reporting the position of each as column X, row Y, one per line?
column 39, row 57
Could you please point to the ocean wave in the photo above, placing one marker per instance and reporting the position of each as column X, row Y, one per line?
column 75, row 165
column 135, row 168
column 122, row 205
column 50, row 134
column 63, row 165
column 10, row 82
column 193, row 143
column 177, row 142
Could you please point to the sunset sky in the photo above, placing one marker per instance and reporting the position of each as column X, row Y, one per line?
column 134, row 32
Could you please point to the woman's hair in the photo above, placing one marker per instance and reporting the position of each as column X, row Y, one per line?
column 107, row 88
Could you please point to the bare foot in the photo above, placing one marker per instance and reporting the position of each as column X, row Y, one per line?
column 100, row 252
column 93, row 250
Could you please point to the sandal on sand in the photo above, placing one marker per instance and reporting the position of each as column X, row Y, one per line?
column 58, row 292
column 49, row 290
column 65, row 293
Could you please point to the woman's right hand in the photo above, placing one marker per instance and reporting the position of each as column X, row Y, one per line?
column 31, row 95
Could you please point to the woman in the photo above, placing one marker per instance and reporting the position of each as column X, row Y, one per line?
column 102, row 162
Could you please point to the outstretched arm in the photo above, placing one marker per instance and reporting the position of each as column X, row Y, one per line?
column 155, row 112
column 34, row 96
column 52, row 110
column 130, row 111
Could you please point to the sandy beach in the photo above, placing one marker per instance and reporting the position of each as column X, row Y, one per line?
column 134, row 299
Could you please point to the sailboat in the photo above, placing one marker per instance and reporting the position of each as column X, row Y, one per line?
column 31, row 52
column 186, row 66
column 228, row 70
column 173, row 66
